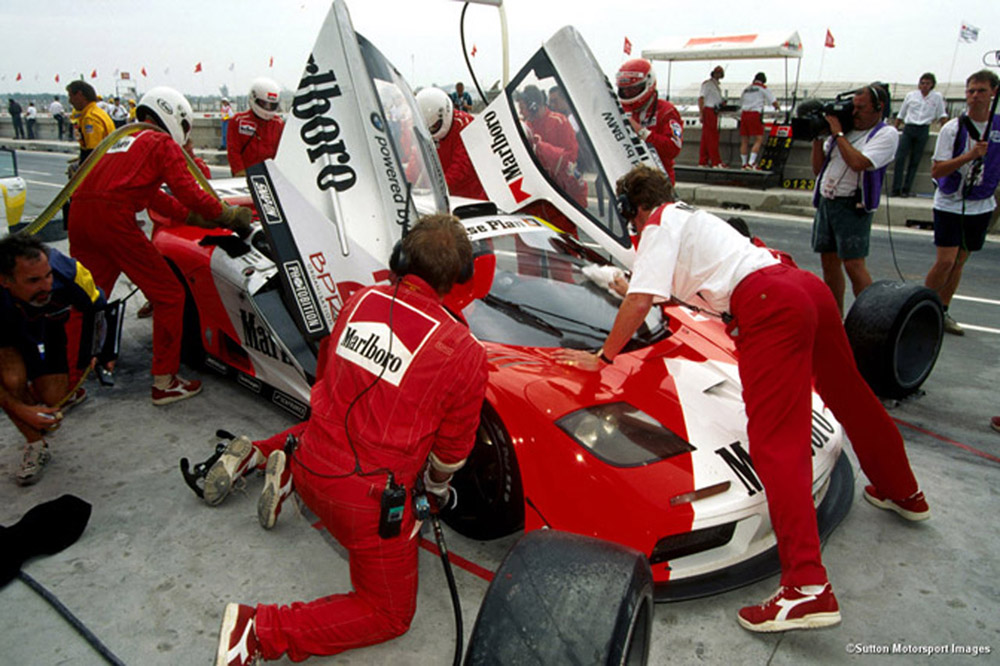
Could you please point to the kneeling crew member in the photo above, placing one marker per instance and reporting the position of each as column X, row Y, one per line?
column 39, row 286
column 400, row 384
column 788, row 332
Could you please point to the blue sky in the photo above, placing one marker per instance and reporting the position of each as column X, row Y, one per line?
column 891, row 40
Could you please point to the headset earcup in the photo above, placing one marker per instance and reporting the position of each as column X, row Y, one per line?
column 467, row 271
column 399, row 262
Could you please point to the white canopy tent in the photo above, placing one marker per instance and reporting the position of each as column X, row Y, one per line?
column 749, row 46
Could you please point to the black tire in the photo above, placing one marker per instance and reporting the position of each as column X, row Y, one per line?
column 490, row 496
column 561, row 598
column 895, row 330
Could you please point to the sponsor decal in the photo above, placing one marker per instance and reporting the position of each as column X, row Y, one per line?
column 217, row 365
column 377, row 123
column 619, row 134
column 368, row 341
column 290, row 404
column 321, row 276
column 249, row 382
column 320, row 132
column 266, row 203
column 122, row 145
column 308, row 308
column 739, row 460
column 676, row 130
column 392, row 176
column 247, row 129
column 501, row 148
column 258, row 337
column 480, row 229
column 165, row 106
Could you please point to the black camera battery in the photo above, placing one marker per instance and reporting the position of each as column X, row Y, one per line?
column 393, row 502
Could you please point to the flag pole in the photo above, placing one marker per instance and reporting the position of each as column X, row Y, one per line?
column 954, row 56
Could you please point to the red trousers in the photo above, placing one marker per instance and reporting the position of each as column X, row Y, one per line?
column 383, row 571
column 105, row 238
column 789, row 335
column 708, row 149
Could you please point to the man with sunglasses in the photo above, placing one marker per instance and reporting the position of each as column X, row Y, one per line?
column 966, row 166
column 253, row 135
column 788, row 333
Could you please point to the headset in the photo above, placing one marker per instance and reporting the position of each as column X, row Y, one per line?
column 873, row 92
column 400, row 264
column 625, row 207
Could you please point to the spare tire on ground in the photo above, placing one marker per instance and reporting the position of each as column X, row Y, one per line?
column 895, row 330
column 561, row 598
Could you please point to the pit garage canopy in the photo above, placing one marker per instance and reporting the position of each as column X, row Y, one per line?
column 732, row 47
column 748, row 46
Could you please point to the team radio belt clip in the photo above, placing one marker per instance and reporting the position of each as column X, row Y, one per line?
column 390, row 520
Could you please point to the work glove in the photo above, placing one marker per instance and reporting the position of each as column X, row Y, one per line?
column 236, row 218
column 441, row 490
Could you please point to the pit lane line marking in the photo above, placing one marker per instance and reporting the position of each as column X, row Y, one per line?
column 976, row 299
column 458, row 560
column 966, row 447
column 40, row 183
column 981, row 329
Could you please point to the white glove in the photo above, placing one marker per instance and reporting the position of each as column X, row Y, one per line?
column 440, row 489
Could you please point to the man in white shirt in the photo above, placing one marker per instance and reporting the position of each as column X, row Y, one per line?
column 754, row 100
column 966, row 166
column 709, row 102
column 850, row 169
column 30, row 118
column 920, row 108
column 788, row 333
column 118, row 113
column 57, row 111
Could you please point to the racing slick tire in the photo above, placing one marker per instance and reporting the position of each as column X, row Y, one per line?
column 895, row 330
column 562, row 598
column 490, row 496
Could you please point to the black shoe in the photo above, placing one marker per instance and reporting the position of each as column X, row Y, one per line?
column 904, row 195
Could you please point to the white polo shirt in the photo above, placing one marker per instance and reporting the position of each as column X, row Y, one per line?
column 838, row 179
column 952, row 203
column 686, row 252
column 712, row 92
column 920, row 110
column 756, row 98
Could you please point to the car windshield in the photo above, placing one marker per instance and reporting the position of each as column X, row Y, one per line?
column 411, row 141
column 8, row 164
column 541, row 298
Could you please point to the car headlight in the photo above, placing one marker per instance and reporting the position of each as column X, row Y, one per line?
column 622, row 435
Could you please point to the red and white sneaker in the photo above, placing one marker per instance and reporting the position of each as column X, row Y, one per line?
column 179, row 389
column 277, row 488
column 792, row 608
column 995, row 423
column 238, row 644
column 913, row 507
column 240, row 458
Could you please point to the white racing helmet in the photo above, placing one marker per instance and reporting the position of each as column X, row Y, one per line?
column 436, row 108
column 169, row 109
column 264, row 97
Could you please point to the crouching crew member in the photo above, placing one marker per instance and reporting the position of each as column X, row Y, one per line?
column 788, row 332
column 400, row 384
column 106, row 237
column 39, row 286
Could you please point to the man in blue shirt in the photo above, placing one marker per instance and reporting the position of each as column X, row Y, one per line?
column 461, row 99
column 38, row 288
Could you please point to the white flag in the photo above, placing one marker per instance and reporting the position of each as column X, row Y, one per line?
column 968, row 33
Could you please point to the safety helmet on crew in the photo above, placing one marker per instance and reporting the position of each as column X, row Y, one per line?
column 264, row 97
column 169, row 109
column 436, row 108
column 636, row 82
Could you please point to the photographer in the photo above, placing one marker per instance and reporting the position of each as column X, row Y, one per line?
column 966, row 166
column 850, row 168
column 372, row 429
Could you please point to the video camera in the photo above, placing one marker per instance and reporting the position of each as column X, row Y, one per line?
column 810, row 118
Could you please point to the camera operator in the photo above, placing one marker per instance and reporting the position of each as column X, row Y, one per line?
column 374, row 425
column 850, row 169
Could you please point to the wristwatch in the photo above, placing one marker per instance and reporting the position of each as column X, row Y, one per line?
column 838, row 134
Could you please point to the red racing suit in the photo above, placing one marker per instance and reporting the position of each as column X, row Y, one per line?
column 106, row 237
column 458, row 172
column 251, row 140
column 666, row 131
column 556, row 148
column 426, row 404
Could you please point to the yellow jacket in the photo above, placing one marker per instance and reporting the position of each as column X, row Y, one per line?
column 93, row 124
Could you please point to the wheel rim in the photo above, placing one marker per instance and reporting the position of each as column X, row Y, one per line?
column 917, row 344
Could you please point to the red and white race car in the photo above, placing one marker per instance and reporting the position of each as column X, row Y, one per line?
column 650, row 452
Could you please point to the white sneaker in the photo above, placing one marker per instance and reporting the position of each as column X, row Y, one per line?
column 35, row 457
column 239, row 458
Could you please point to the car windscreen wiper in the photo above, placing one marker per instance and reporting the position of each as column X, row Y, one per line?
column 519, row 314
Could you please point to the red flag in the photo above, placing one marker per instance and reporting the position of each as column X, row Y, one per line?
column 829, row 39
column 93, row 74
column 18, row 76
column 473, row 53
column 197, row 68
column 57, row 78
column 144, row 71
column 628, row 47
column 270, row 63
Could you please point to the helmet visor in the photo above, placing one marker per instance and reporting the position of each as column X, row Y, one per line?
column 436, row 127
column 632, row 91
column 266, row 105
